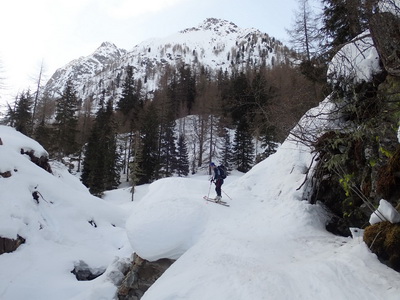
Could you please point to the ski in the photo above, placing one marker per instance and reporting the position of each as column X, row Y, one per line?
column 214, row 201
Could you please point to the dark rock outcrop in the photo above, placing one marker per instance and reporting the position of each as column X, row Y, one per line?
column 5, row 174
column 141, row 276
column 10, row 245
column 42, row 161
column 83, row 272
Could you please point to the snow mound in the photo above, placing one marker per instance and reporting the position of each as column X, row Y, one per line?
column 16, row 140
column 62, row 226
column 357, row 61
column 166, row 223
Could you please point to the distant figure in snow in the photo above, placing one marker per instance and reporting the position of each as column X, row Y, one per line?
column 218, row 180
column 35, row 196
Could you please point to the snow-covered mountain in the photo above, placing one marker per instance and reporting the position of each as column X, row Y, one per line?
column 215, row 44
column 82, row 70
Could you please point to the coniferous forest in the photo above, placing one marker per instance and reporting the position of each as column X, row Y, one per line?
column 144, row 139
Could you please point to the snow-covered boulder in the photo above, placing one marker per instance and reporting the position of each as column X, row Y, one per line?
column 385, row 212
column 357, row 61
column 57, row 224
column 165, row 224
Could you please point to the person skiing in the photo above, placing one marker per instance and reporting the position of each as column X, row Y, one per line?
column 218, row 180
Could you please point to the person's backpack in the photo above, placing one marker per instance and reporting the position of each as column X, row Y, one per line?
column 222, row 171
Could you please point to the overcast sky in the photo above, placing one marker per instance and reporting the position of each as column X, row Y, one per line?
column 58, row 31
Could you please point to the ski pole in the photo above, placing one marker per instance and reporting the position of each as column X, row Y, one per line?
column 209, row 189
column 226, row 194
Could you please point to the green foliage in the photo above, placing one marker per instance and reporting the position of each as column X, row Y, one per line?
column 372, row 162
column 346, row 183
column 386, row 152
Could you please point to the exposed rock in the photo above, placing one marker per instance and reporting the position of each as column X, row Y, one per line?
column 383, row 239
column 83, row 272
column 141, row 276
column 42, row 161
column 5, row 174
column 9, row 245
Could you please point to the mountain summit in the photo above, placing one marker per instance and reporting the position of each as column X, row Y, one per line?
column 214, row 44
column 219, row 26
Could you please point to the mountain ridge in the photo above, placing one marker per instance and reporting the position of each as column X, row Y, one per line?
column 215, row 44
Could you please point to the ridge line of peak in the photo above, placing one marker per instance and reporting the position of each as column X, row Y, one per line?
column 214, row 24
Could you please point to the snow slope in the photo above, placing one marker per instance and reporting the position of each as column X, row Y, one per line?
column 268, row 245
column 67, row 226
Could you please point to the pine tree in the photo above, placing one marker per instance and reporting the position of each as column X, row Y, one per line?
column 92, row 169
column 268, row 143
column 9, row 118
column 167, row 138
column 66, row 121
column 101, row 166
column 44, row 135
column 186, row 88
column 168, row 153
column 127, row 101
column 343, row 20
column 135, row 172
column 167, row 112
column 191, row 90
column 131, row 101
column 149, row 131
column 173, row 97
column 240, row 92
column 243, row 148
column 23, row 113
column 183, row 158
column 111, row 155
column 227, row 155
